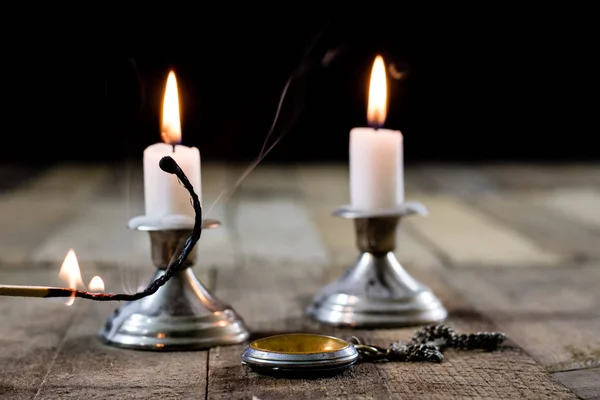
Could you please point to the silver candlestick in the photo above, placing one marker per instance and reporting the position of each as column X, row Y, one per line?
column 182, row 314
column 377, row 291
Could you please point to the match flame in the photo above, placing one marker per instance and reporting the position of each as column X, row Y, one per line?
column 96, row 284
column 171, row 121
column 70, row 273
column 377, row 106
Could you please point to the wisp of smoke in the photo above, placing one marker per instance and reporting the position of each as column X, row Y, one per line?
column 305, row 66
column 308, row 63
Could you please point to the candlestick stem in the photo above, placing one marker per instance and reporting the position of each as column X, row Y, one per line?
column 376, row 235
column 377, row 291
column 182, row 314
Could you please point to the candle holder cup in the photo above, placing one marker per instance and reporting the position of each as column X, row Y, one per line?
column 182, row 314
column 377, row 292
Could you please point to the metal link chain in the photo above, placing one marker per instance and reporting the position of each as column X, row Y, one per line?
column 428, row 344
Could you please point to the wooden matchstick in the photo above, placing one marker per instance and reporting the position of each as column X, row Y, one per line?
column 35, row 291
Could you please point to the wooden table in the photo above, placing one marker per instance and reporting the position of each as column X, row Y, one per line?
column 513, row 248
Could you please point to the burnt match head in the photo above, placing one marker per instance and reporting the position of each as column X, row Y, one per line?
column 168, row 165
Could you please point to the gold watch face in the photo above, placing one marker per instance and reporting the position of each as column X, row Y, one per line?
column 299, row 352
column 299, row 343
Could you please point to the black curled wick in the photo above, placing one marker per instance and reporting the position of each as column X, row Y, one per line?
column 168, row 165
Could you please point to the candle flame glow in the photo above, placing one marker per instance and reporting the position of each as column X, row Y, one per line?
column 70, row 273
column 96, row 284
column 171, row 121
column 377, row 106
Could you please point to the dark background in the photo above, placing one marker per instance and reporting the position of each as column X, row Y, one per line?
column 493, row 85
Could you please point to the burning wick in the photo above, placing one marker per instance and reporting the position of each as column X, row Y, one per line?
column 167, row 164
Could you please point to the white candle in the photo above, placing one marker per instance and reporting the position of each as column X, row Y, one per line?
column 163, row 194
column 376, row 155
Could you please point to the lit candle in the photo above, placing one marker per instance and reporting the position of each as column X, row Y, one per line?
column 376, row 159
column 163, row 194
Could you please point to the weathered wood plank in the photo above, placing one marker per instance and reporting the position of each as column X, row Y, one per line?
column 546, row 176
column 468, row 180
column 552, row 230
column 215, row 249
column 581, row 205
column 84, row 367
column 68, row 182
column 416, row 182
column 278, row 180
column 33, row 211
column 30, row 332
column 324, row 188
column 277, row 231
column 585, row 383
column 271, row 222
column 124, row 181
column 271, row 271
column 552, row 313
column 27, row 223
column 468, row 237
column 98, row 233
column 272, row 301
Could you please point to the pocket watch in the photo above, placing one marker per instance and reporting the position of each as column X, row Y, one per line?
column 309, row 353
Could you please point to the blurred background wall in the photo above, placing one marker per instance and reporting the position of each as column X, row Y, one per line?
column 476, row 85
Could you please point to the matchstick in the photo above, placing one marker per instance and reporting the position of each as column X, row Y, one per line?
column 35, row 291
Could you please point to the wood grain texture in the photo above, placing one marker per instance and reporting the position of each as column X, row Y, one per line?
column 30, row 332
column 467, row 180
column 546, row 176
column 272, row 300
column 71, row 183
column 553, row 231
column 34, row 210
column 98, row 233
column 82, row 366
column 585, row 383
column 468, row 237
column 510, row 373
column 552, row 313
column 505, row 248
column 580, row 205
column 27, row 224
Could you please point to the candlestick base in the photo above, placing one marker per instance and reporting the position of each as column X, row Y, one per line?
column 377, row 292
column 182, row 314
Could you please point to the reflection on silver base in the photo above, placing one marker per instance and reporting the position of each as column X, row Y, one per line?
column 181, row 315
column 377, row 291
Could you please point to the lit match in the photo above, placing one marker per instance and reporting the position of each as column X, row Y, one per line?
column 69, row 272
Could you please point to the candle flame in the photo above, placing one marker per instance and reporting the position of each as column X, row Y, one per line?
column 70, row 273
column 171, row 121
column 377, row 106
column 96, row 284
